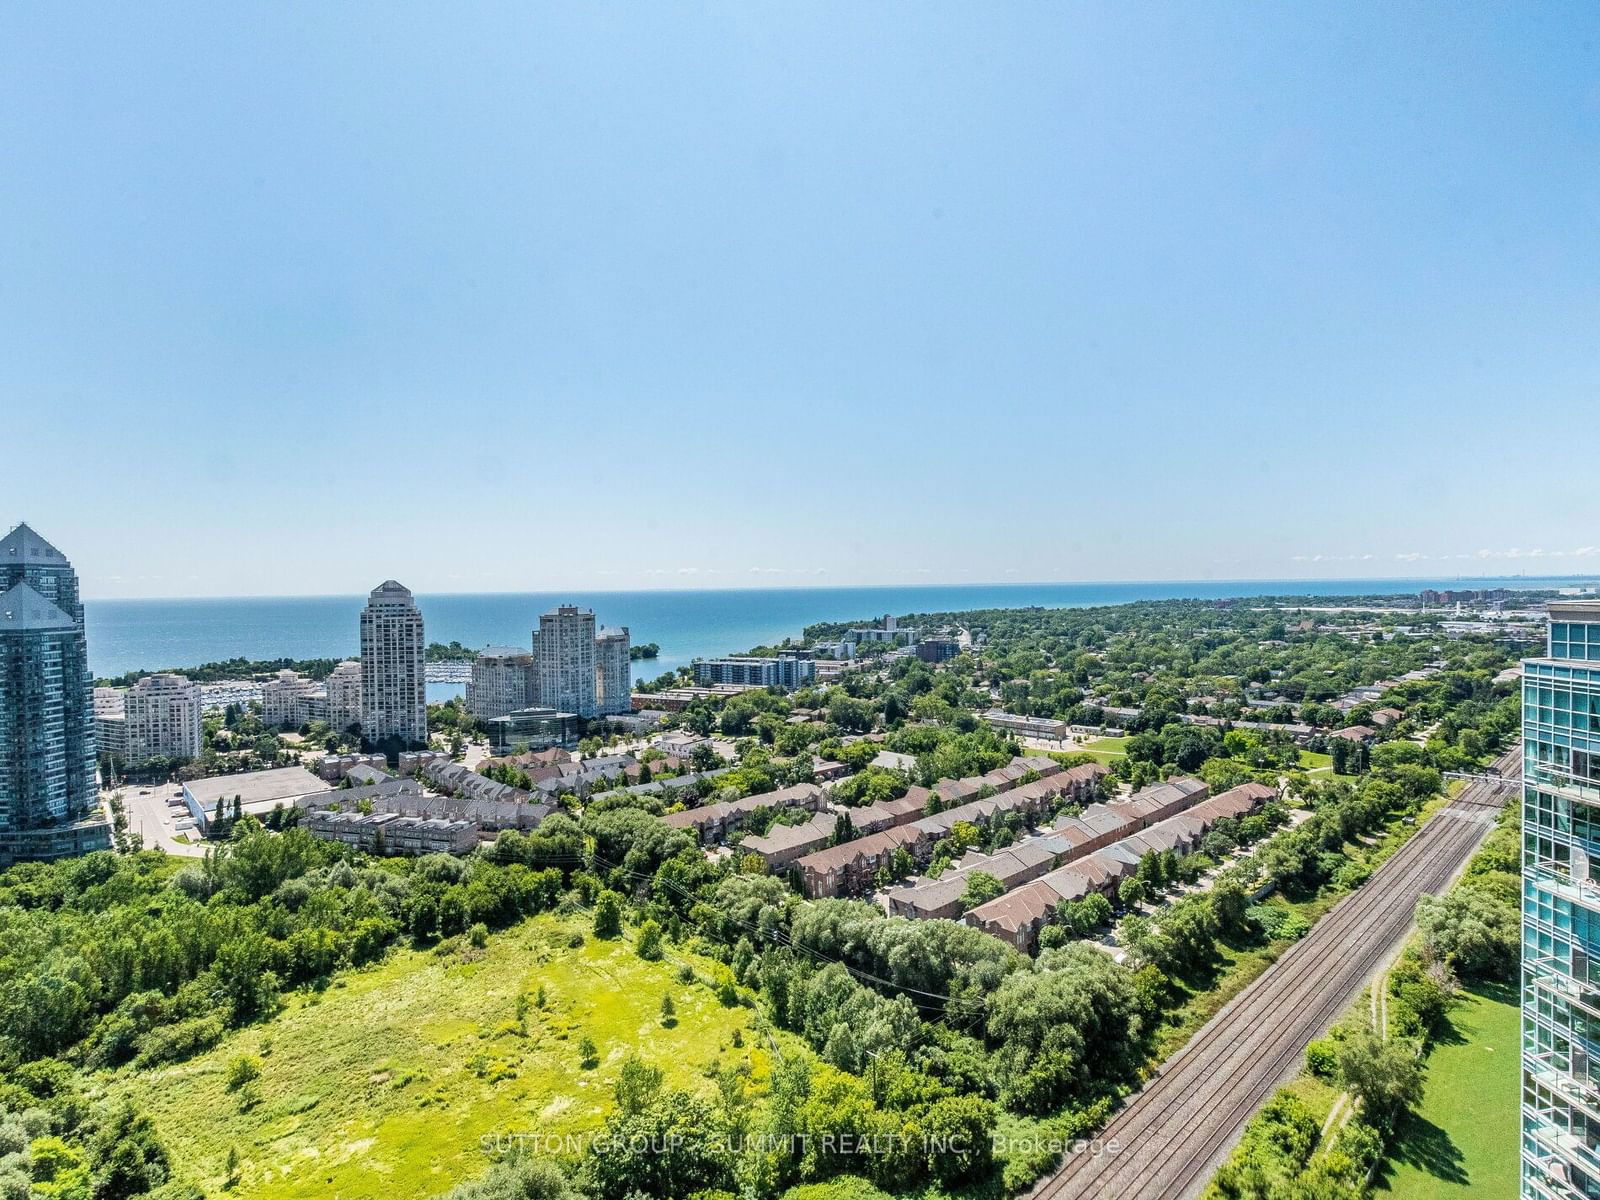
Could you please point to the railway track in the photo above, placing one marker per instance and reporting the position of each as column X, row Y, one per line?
column 1166, row 1142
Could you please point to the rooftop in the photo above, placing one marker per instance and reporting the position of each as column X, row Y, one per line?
column 253, row 787
column 22, row 544
column 24, row 608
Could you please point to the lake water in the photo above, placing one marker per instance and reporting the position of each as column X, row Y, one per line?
column 128, row 635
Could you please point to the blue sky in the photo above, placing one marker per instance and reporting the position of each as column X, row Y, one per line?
column 499, row 297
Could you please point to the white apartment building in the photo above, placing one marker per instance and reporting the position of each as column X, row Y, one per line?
column 111, row 723
column 613, row 671
column 161, row 718
column 394, row 699
column 504, row 680
column 344, row 696
column 283, row 696
column 564, row 648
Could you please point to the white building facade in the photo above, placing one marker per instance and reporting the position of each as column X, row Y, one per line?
column 613, row 671
column 564, row 648
column 343, row 689
column 283, row 696
column 394, row 699
column 504, row 680
column 161, row 719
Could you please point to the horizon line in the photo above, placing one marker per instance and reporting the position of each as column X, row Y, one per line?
column 1528, row 582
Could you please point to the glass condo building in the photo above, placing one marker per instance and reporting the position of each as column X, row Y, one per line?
column 1561, row 909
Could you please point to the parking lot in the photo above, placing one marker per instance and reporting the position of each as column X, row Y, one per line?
column 156, row 812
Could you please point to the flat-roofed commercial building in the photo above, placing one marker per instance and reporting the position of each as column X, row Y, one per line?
column 258, row 793
column 531, row 729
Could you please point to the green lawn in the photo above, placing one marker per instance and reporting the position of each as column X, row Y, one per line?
column 1463, row 1140
column 384, row 1085
column 1104, row 749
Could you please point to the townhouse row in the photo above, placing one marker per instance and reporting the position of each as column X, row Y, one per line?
column 848, row 868
column 1072, row 838
column 1019, row 915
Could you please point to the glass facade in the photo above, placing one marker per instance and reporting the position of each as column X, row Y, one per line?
column 48, row 802
column 1561, row 910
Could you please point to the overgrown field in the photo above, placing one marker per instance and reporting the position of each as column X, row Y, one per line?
column 385, row 1084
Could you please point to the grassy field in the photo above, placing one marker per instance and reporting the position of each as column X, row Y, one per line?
column 1105, row 748
column 1463, row 1139
column 385, row 1084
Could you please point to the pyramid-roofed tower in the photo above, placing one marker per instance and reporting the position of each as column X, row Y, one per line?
column 48, row 802
column 23, row 608
column 25, row 557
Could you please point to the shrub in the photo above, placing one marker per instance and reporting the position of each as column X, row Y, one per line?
column 649, row 943
column 608, row 915
column 174, row 1043
column 1322, row 1058
column 242, row 1070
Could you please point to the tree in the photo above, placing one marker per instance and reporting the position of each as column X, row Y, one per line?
column 672, row 1147
column 669, row 1012
column 649, row 943
column 1476, row 931
column 636, row 1086
column 1131, row 892
column 608, row 915
column 1385, row 1075
column 844, row 830
column 588, row 1054
column 1082, row 917
column 1230, row 902
column 982, row 887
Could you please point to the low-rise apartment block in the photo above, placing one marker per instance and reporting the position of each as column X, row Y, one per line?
column 788, row 669
column 391, row 834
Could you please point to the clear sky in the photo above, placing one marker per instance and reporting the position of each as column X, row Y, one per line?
column 294, row 297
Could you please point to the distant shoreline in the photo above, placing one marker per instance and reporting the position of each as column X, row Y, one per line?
column 150, row 634
column 1517, row 582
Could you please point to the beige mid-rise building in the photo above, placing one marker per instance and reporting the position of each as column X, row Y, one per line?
column 111, row 723
column 283, row 698
column 504, row 680
column 161, row 717
column 344, row 696
column 613, row 671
